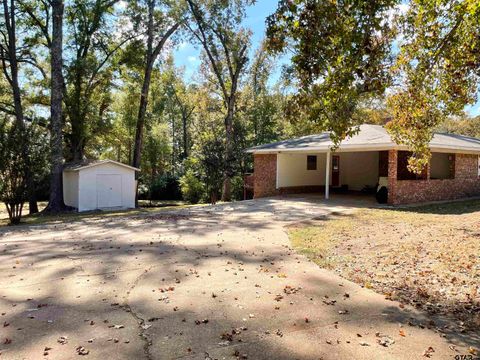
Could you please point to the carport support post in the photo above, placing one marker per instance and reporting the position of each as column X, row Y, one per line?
column 327, row 176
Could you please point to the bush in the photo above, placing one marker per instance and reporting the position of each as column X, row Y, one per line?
column 142, row 192
column 192, row 188
column 165, row 187
column 13, row 170
column 237, row 187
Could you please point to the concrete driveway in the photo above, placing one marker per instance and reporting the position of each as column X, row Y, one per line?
column 209, row 282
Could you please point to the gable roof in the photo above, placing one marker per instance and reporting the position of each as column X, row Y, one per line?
column 370, row 137
column 77, row 166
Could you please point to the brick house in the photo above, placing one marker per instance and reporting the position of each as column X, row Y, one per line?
column 365, row 161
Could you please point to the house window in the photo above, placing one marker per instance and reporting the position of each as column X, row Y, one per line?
column 311, row 162
column 402, row 168
column 442, row 166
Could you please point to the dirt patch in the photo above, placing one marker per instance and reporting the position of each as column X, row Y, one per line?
column 428, row 257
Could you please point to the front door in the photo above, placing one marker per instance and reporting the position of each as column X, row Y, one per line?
column 335, row 170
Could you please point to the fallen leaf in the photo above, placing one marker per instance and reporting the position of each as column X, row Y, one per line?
column 428, row 352
column 386, row 341
column 82, row 351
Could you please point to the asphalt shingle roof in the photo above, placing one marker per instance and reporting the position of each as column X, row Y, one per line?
column 369, row 136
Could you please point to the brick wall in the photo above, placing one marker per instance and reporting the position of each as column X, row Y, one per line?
column 265, row 175
column 465, row 184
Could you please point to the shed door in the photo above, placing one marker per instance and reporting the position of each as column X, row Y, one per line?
column 109, row 191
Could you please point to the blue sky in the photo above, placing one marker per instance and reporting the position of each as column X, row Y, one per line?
column 187, row 55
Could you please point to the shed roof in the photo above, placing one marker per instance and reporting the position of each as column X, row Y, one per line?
column 77, row 166
column 370, row 137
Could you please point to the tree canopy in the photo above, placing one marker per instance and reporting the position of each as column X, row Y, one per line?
column 98, row 79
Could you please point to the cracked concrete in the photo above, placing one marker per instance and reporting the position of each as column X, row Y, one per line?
column 210, row 282
column 140, row 321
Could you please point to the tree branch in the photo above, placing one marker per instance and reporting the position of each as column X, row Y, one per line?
column 165, row 37
column 204, row 42
column 36, row 20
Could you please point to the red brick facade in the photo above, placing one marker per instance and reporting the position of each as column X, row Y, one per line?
column 465, row 184
column 265, row 175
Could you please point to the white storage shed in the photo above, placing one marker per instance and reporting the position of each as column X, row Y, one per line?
column 104, row 184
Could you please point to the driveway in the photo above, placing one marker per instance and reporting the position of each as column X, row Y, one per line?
column 213, row 282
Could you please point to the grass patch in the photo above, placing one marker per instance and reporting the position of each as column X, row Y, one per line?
column 427, row 256
column 146, row 207
column 318, row 239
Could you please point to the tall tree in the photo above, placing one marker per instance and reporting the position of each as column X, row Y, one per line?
column 56, row 202
column 90, row 49
column 437, row 71
column 161, row 23
column 341, row 53
column 181, row 94
column 264, row 108
column 217, row 26
column 10, row 58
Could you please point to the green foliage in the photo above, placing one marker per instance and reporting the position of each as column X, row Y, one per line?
column 237, row 187
column 341, row 56
column 217, row 26
column 343, row 60
column 13, row 170
column 193, row 189
column 438, row 70
column 263, row 114
column 211, row 158
column 89, row 72
column 165, row 187
column 462, row 125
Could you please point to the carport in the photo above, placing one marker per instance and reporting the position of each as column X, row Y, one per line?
column 322, row 171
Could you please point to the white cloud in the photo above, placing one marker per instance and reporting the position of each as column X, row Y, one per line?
column 192, row 59
column 183, row 45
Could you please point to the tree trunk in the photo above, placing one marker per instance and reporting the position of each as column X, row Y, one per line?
column 228, row 172
column 137, row 150
column 141, row 115
column 150, row 58
column 185, row 139
column 56, row 137
column 173, row 145
column 32, row 196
